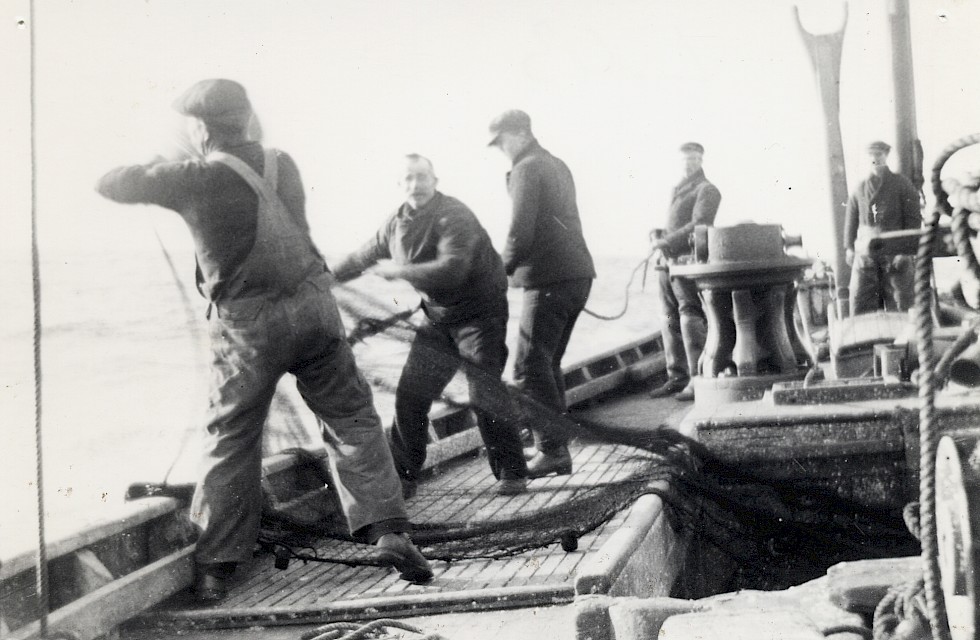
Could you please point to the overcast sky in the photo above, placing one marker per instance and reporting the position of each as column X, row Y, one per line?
column 347, row 87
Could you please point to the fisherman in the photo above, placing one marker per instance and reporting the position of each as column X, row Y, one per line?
column 545, row 254
column 885, row 201
column 271, row 312
column 695, row 202
column 436, row 244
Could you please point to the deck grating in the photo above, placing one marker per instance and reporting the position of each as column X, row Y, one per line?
column 457, row 492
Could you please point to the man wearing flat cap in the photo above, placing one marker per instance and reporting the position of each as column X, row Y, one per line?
column 271, row 312
column 546, row 255
column 695, row 201
column 885, row 201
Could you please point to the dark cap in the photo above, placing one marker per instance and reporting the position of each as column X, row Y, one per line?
column 513, row 121
column 692, row 146
column 217, row 101
column 878, row 145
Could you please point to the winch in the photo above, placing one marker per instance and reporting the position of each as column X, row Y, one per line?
column 748, row 284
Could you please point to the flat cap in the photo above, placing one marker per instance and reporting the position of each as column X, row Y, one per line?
column 512, row 121
column 216, row 100
column 692, row 146
column 878, row 145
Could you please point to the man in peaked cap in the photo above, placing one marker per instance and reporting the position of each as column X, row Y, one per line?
column 695, row 201
column 885, row 201
column 547, row 256
column 271, row 312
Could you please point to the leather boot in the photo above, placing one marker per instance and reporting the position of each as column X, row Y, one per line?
column 543, row 464
column 687, row 393
column 398, row 550
column 669, row 388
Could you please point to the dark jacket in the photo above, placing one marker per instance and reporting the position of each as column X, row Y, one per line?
column 545, row 243
column 218, row 206
column 695, row 201
column 461, row 275
column 888, row 203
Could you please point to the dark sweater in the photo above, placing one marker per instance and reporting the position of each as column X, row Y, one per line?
column 695, row 201
column 888, row 203
column 459, row 274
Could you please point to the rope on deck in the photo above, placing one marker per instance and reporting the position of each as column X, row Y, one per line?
column 376, row 629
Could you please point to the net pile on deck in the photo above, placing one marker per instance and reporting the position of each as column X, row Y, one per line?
column 766, row 529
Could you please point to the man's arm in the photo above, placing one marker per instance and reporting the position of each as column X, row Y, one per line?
column 458, row 235
column 163, row 183
column 525, row 192
column 356, row 263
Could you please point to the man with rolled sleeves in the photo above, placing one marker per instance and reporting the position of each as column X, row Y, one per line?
column 435, row 243
column 695, row 201
column 270, row 313
column 885, row 201
column 547, row 256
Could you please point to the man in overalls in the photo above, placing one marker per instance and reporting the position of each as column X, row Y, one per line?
column 271, row 312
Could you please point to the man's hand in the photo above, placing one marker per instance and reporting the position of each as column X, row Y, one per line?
column 849, row 257
column 387, row 269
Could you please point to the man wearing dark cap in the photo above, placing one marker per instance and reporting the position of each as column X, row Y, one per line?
column 885, row 201
column 695, row 201
column 436, row 244
column 545, row 254
column 270, row 313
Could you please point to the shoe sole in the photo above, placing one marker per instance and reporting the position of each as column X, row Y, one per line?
column 561, row 471
column 512, row 492
column 407, row 570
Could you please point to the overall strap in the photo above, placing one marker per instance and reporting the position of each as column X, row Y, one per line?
column 272, row 168
column 262, row 186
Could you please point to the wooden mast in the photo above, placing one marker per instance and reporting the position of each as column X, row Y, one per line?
column 825, row 54
column 908, row 146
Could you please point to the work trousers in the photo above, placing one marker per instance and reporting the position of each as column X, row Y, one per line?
column 685, row 328
column 254, row 343
column 439, row 350
column 547, row 320
column 884, row 283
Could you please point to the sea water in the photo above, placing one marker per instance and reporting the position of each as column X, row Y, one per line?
column 124, row 374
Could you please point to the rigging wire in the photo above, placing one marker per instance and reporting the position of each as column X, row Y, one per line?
column 43, row 598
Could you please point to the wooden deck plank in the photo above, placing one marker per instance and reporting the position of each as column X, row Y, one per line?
column 460, row 493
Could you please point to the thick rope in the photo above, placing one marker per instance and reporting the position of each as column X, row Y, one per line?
column 338, row 631
column 928, row 433
column 928, row 430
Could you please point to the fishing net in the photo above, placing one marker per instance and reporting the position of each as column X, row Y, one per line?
column 743, row 530
column 752, row 532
